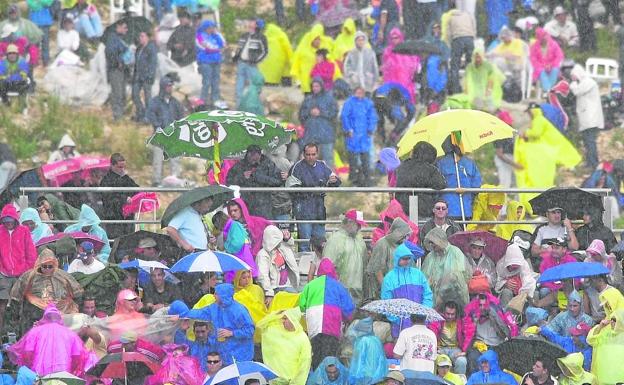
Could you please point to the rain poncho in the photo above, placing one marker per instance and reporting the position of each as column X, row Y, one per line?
column 254, row 225
column 325, row 302
column 541, row 59
column 405, row 282
column 50, row 347
column 276, row 63
column 178, row 368
column 277, row 266
column 124, row 319
column 359, row 122
column 88, row 218
column 387, row 216
column 360, row 66
column 565, row 320
column 368, row 364
column 567, row 343
column 41, row 230
column 495, row 375
column 58, row 154
column 469, row 177
column 236, row 241
column 505, row 231
column 484, row 83
column 608, row 344
column 319, row 376
column 572, row 372
column 319, row 129
column 481, row 210
column 514, row 256
column 250, row 101
column 287, row 353
column 400, row 68
column 448, row 273
column 345, row 41
column 612, row 300
column 304, row 57
column 349, row 256
column 17, row 250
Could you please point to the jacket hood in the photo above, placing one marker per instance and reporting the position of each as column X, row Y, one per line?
column 363, row 327
column 326, row 267
column 348, row 26
column 294, row 316
column 619, row 321
column 66, row 140
column 578, row 72
column 424, row 152
column 400, row 252
column 207, row 24
column 225, row 291
column 9, row 210
column 25, row 376
column 399, row 229
column 257, row 79
column 52, row 315
column 243, row 206
column 88, row 217
column 512, row 211
column 30, row 214
column 541, row 35
column 397, row 32
column 597, row 246
column 437, row 237
column 272, row 238
column 572, row 365
column 478, row 51
column 46, row 256
column 359, row 34
column 319, row 81
column 493, row 198
column 492, row 358
column 178, row 308
column 513, row 256
column 316, row 31
column 612, row 300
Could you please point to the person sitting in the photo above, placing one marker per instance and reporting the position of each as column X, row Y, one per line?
column 330, row 372
column 596, row 253
column 159, row 293
column 13, row 74
column 21, row 26
column 126, row 316
column 443, row 367
column 86, row 262
column 178, row 368
column 483, row 82
column 546, row 57
column 572, row 372
column 486, row 207
column 556, row 254
column 513, row 275
column 490, row 372
column 562, row 29
column 235, row 239
column 368, row 364
column 277, row 266
column 553, row 229
column 480, row 263
column 68, row 39
column 451, row 333
column 89, row 222
column 87, row 18
column 575, row 343
column 594, row 229
column 441, row 220
column 66, row 149
column 509, row 54
column 540, row 374
column 186, row 228
column 30, row 218
column 570, row 318
column 515, row 212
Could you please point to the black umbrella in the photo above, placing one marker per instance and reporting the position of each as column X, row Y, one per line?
column 572, row 200
column 219, row 195
column 417, row 47
column 136, row 25
column 29, row 178
column 520, row 353
column 127, row 243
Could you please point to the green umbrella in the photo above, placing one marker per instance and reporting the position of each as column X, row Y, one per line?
column 60, row 378
column 235, row 130
column 219, row 194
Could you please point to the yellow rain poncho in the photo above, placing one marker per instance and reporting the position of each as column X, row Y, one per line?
column 482, row 209
column 304, row 57
column 572, row 371
column 287, row 353
column 277, row 62
column 345, row 41
column 505, row 231
column 608, row 345
column 544, row 149
column 612, row 301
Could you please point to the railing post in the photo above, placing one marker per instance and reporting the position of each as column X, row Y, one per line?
column 413, row 208
column 608, row 213
column 22, row 201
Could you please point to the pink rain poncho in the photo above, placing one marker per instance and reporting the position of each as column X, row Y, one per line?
column 125, row 318
column 542, row 59
column 178, row 368
column 255, row 226
column 399, row 68
column 394, row 210
column 51, row 347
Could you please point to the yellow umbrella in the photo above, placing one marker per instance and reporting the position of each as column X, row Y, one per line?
column 476, row 127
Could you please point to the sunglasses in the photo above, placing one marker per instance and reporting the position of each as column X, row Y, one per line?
column 476, row 247
column 211, row 362
column 440, row 208
column 47, row 266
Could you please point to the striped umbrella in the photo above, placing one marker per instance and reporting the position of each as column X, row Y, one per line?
column 242, row 369
column 205, row 261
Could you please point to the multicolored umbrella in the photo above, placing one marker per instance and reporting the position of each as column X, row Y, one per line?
column 402, row 308
column 241, row 369
column 120, row 365
column 495, row 246
column 205, row 261
column 79, row 236
column 64, row 377
column 234, row 131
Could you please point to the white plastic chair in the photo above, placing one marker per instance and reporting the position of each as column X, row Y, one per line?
column 137, row 215
column 602, row 69
column 526, row 76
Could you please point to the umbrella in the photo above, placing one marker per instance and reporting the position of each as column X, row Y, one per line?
column 239, row 369
column 142, row 264
column 402, row 308
column 417, row 47
column 520, row 353
column 136, row 25
column 495, row 246
column 235, row 131
column 64, row 377
column 120, row 365
column 571, row 199
column 79, row 236
column 127, row 243
column 205, row 261
column 61, row 171
column 219, row 195
column 416, row 377
column 29, row 178
column 573, row 270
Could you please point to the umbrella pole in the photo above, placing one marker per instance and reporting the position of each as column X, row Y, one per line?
column 461, row 196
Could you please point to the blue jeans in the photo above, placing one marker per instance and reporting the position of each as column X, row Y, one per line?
column 459, row 363
column 306, row 231
column 211, row 77
column 45, row 44
column 327, row 153
column 90, row 25
column 548, row 79
column 137, row 87
column 244, row 73
column 591, row 152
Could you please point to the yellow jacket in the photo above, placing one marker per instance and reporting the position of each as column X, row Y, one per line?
column 304, row 57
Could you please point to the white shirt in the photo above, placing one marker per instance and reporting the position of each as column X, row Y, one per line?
column 567, row 31
column 417, row 347
column 69, row 40
column 78, row 266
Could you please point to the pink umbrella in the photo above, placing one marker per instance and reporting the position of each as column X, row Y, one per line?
column 61, row 171
column 79, row 236
column 495, row 246
column 89, row 163
column 144, row 202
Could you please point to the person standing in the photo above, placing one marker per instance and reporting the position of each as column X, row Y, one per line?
column 8, row 165
column 360, row 65
column 181, row 43
column 145, row 65
column 117, row 54
column 416, row 346
column 210, row 44
column 607, row 341
column 461, row 31
column 187, row 229
column 40, row 13
column 252, row 49
column 113, row 202
column 440, row 220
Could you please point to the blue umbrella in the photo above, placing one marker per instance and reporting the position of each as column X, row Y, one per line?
column 415, row 377
column 250, row 369
column 572, row 270
column 205, row 261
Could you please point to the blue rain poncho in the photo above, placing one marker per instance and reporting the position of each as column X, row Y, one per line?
column 368, row 363
column 319, row 376
column 41, row 230
column 88, row 218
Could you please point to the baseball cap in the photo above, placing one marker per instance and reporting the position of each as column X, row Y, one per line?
column 356, row 216
column 443, row 360
column 581, row 329
column 87, row 247
column 12, row 48
column 147, row 242
column 557, row 242
column 478, row 242
column 130, row 295
column 554, row 209
column 396, row 375
column 559, row 10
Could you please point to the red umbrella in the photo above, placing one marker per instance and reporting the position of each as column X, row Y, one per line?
column 79, row 236
column 61, row 171
column 495, row 246
column 121, row 365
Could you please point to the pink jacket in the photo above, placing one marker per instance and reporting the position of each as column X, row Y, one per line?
column 472, row 313
column 400, row 68
column 436, row 327
column 324, row 70
column 17, row 250
column 539, row 59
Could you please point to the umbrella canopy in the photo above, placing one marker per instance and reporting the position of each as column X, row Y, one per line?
column 240, row 369
column 519, row 354
column 476, row 127
column 79, row 236
column 29, row 178
column 126, row 244
column 234, row 130
column 136, row 25
column 572, row 200
column 416, row 377
column 417, row 47
column 219, row 195
column 64, row 377
column 205, row 261
column 495, row 246
column 142, row 264
column 61, row 172
column 120, row 365
column 402, row 308
column 573, row 270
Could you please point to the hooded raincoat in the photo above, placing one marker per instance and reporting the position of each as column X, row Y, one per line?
column 349, row 255
column 607, row 260
column 177, row 369
column 250, row 101
column 319, row 376
column 400, row 68
column 514, row 256
column 505, row 231
column 448, row 272
column 608, row 344
column 588, row 102
column 318, row 129
column 288, row 353
column 325, row 302
column 572, row 372
column 345, row 41
column 41, row 230
column 482, row 210
column 58, row 154
column 88, row 218
column 360, row 66
column 236, row 241
column 254, row 225
column 276, row 63
column 612, row 300
column 484, row 83
column 544, row 58
column 387, row 216
column 368, row 364
column 304, row 57
column 495, row 375
column 277, row 266
column 359, row 122
column 567, row 343
column 17, row 249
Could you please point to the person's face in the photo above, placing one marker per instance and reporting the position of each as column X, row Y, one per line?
column 235, row 212
column 507, row 39
column 130, row 304
column 158, row 277
column 476, row 251
column 316, row 87
column 287, row 324
column 395, row 39
column 554, row 217
column 9, row 224
column 12, row 57
column 450, row 314
column 519, row 211
column 254, row 158
column 88, row 308
column 436, row 248
column 67, row 149
column 404, row 261
column 613, row 322
column 440, row 210
column 561, row 18
column 13, row 15
column 201, row 333
column 204, row 205
column 311, row 155
column 436, row 31
column 359, row 93
column 478, row 59
column 320, row 58
column 122, row 29
column 360, row 42
column 251, row 26
column 143, row 39
column 594, row 256
column 443, row 370
column 150, row 252
column 245, row 279
column 316, row 42
column 332, row 372
column 512, row 268
column 538, row 369
column 212, row 281
column 47, row 268
column 214, row 363
column 351, row 227
column 485, row 366
column 119, row 167
column 129, row 346
column 130, row 281
column 185, row 21
column 88, row 258
column 30, row 224
column 574, row 308
column 558, row 251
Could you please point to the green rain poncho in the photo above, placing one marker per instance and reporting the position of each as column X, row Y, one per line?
column 287, row 353
column 349, row 256
column 484, row 83
column 572, row 371
column 250, row 101
column 448, row 272
column 608, row 345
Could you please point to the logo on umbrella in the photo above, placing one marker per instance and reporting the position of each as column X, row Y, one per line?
column 486, row 134
column 202, row 134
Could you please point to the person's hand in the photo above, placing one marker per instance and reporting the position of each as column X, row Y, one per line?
column 518, row 166
column 315, row 111
column 224, row 333
column 157, row 306
column 528, row 381
column 247, row 174
column 460, row 190
column 332, row 178
column 284, row 175
column 605, row 322
column 128, row 200
column 512, row 285
column 286, row 234
column 568, row 224
column 267, row 301
column 188, row 247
